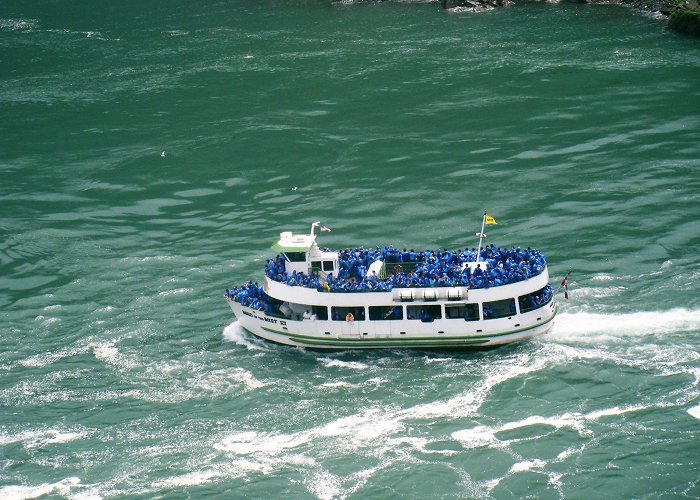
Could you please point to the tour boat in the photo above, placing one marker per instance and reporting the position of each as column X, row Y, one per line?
column 384, row 297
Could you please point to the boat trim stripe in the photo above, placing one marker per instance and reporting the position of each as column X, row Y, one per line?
column 417, row 341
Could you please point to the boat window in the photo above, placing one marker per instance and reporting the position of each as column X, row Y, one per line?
column 499, row 308
column 341, row 313
column 381, row 313
column 425, row 313
column 467, row 312
column 321, row 312
column 328, row 265
column 296, row 256
column 535, row 300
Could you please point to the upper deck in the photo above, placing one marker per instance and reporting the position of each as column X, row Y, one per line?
column 383, row 269
column 303, row 273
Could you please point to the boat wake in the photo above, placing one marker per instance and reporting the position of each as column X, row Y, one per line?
column 585, row 326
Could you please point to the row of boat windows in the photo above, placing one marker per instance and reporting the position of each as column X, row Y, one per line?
column 430, row 312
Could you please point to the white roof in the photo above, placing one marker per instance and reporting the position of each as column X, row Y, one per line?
column 289, row 242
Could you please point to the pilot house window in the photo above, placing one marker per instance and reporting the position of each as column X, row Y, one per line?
column 296, row 256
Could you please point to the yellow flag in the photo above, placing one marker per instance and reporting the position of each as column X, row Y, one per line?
column 490, row 220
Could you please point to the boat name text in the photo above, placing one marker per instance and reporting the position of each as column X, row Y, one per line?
column 263, row 318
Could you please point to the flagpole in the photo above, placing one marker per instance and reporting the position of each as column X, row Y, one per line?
column 481, row 237
column 563, row 282
column 313, row 225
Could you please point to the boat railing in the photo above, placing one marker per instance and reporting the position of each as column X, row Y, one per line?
column 401, row 267
column 320, row 274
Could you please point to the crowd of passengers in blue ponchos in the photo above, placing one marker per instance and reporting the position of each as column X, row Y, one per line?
column 251, row 295
column 430, row 269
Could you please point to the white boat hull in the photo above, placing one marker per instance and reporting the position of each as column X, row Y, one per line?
column 441, row 333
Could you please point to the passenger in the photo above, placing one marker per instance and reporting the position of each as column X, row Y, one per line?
column 443, row 267
column 425, row 316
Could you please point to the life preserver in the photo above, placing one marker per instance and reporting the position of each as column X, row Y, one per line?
column 349, row 317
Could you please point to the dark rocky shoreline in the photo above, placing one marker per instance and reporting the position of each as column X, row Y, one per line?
column 682, row 15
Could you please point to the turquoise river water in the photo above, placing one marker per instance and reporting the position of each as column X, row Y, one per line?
column 124, row 374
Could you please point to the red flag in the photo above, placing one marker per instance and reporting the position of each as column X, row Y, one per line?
column 565, row 284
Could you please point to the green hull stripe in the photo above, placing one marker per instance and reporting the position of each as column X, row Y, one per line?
column 378, row 342
column 413, row 342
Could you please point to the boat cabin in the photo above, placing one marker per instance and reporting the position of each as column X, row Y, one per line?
column 301, row 254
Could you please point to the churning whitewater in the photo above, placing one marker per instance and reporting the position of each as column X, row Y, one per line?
column 123, row 372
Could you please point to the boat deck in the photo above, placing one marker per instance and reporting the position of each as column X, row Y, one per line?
column 425, row 269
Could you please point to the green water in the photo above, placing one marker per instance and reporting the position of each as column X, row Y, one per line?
column 123, row 372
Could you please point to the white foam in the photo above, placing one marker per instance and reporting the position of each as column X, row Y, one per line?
column 324, row 485
column 339, row 383
column 47, row 358
column 59, row 437
column 468, row 402
column 598, row 292
column 571, row 420
column 358, row 430
column 47, row 321
column 485, row 436
column 244, row 466
column 610, row 412
column 567, row 453
column 17, row 492
column 586, row 327
column 235, row 333
column 429, row 361
column 477, row 437
column 252, row 442
column 418, row 443
column 107, row 353
column 247, row 378
column 527, row 465
column 374, row 381
column 41, row 438
column 177, row 291
column 346, row 433
column 328, row 362
column 694, row 412
column 18, row 24
column 224, row 381
column 189, row 479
